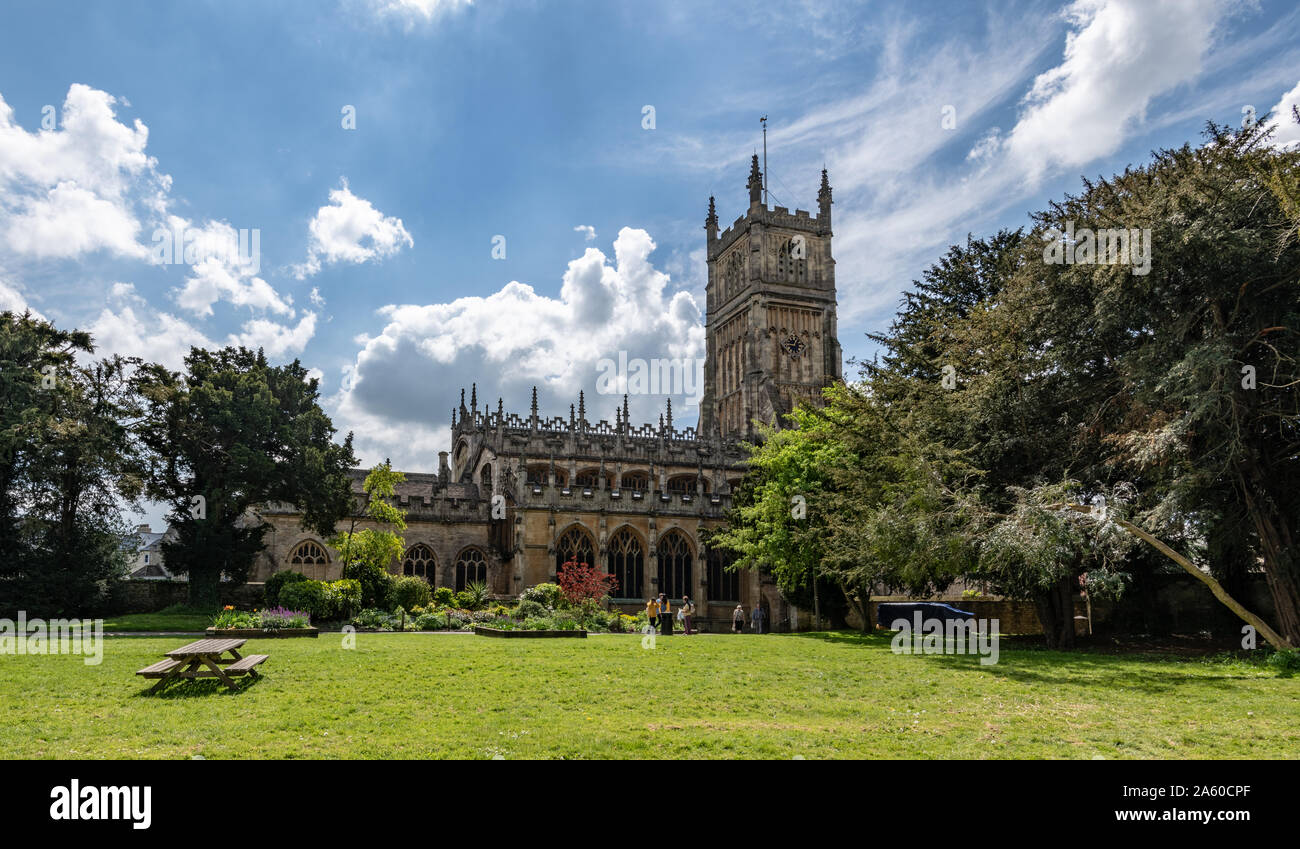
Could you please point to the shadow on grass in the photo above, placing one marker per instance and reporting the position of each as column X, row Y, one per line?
column 194, row 688
column 1026, row 660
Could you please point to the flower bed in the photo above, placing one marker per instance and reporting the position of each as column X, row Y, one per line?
column 263, row 632
column 272, row 622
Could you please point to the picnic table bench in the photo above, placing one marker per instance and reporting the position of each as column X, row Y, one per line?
column 203, row 659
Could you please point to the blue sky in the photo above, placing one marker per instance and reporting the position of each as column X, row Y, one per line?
column 525, row 120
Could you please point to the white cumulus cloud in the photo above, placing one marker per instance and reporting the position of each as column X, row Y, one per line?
column 1287, row 129
column 512, row 340
column 1121, row 55
column 350, row 229
column 80, row 187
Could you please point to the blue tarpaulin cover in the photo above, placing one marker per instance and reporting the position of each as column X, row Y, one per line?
column 887, row 612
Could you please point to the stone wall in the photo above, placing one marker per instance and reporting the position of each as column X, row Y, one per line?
column 1162, row 604
column 1180, row 604
column 1014, row 617
column 151, row 596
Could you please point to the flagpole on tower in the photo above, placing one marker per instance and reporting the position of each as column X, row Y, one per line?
column 763, row 121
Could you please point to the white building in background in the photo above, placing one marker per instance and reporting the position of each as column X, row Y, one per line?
column 148, row 561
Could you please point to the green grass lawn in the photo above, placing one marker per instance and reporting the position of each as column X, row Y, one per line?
column 709, row 696
column 176, row 618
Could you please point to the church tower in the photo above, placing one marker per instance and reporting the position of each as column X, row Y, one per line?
column 771, row 326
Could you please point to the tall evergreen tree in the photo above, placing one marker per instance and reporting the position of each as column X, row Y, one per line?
column 228, row 434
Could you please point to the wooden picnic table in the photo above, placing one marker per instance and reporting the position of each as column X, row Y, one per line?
column 203, row 659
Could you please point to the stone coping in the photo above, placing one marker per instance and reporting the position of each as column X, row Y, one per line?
column 262, row 633
column 498, row 632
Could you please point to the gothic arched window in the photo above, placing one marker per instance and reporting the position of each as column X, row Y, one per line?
column 419, row 561
column 626, row 562
column 575, row 545
column 682, row 485
column 674, row 564
column 733, row 275
column 791, row 259
column 637, row 481
column 590, row 478
column 471, row 568
column 540, row 474
column 310, row 559
column 724, row 583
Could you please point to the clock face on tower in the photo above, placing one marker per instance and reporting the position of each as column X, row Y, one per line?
column 794, row 346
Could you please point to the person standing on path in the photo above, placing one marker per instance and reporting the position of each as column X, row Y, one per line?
column 688, row 615
column 738, row 620
column 758, row 617
column 652, row 613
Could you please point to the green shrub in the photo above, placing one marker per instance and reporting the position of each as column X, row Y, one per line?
column 343, row 598
column 549, row 595
column 430, row 622
column 499, row 610
column 593, row 618
column 476, row 593
column 310, row 597
column 530, row 608
column 1285, row 661
column 376, row 584
column 276, row 583
column 444, row 597
column 235, row 619
column 459, row 620
column 537, row 623
column 374, row 619
column 410, row 592
column 622, row 623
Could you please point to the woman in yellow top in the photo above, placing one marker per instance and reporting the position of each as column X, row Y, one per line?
column 652, row 612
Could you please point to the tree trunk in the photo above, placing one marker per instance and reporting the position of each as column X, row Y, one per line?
column 1055, row 607
column 863, row 603
column 1280, row 568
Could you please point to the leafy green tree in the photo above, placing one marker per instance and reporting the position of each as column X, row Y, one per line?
column 68, row 463
column 967, row 373
column 230, row 433
column 367, row 553
column 89, row 468
column 843, row 500
column 1187, row 379
column 31, row 351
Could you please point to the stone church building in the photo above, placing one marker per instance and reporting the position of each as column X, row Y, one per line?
column 517, row 496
